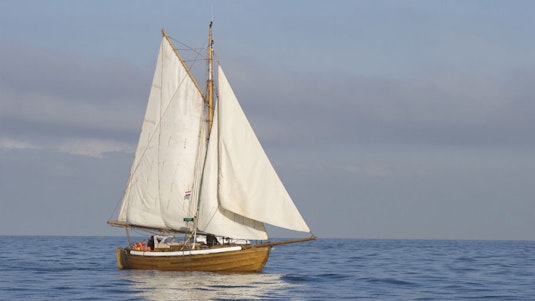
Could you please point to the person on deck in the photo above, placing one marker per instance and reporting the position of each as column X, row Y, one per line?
column 150, row 244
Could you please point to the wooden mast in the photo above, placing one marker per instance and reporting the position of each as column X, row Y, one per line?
column 210, row 81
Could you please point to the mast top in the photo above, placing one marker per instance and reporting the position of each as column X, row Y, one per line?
column 210, row 81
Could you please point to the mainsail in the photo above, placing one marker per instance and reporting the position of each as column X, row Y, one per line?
column 158, row 193
column 228, row 184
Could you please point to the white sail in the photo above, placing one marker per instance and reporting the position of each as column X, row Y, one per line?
column 248, row 184
column 247, row 188
column 212, row 217
column 159, row 189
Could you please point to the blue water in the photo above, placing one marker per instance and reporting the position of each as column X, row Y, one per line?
column 84, row 268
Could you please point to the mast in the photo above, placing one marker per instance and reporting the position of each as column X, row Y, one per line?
column 210, row 81
column 209, row 102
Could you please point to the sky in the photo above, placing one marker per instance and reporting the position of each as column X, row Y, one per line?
column 384, row 119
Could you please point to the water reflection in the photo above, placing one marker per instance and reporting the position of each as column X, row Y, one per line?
column 155, row 285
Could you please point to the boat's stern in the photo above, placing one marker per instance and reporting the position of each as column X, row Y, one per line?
column 120, row 258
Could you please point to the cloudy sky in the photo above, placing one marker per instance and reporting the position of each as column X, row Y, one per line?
column 385, row 119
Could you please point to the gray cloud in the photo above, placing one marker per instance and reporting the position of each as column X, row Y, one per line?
column 450, row 110
column 383, row 120
column 53, row 99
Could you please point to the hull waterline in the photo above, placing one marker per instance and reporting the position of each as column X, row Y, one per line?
column 236, row 260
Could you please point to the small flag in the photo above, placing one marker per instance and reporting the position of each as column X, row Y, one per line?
column 187, row 195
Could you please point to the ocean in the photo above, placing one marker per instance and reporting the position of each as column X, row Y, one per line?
column 84, row 268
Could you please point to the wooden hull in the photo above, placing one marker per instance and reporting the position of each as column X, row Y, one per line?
column 244, row 260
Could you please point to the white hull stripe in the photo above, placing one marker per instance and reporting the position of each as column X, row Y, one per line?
column 185, row 253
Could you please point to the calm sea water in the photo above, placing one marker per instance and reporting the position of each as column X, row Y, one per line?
column 84, row 268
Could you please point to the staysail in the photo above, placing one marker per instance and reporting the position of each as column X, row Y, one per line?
column 158, row 193
column 212, row 217
column 240, row 189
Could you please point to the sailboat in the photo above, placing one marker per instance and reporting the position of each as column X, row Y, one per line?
column 200, row 171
